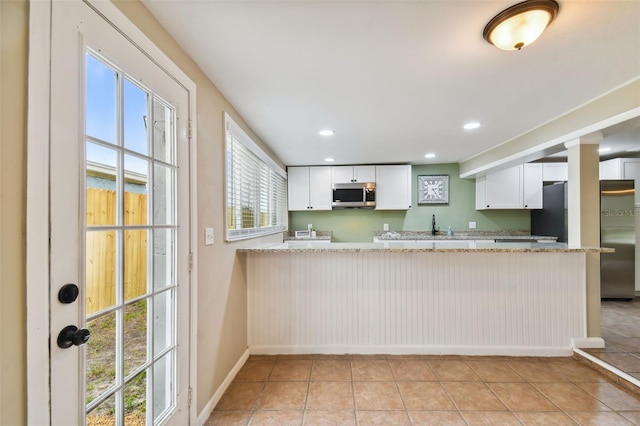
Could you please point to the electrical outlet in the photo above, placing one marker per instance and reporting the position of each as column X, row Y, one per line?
column 385, row 227
column 208, row 236
column 472, row 225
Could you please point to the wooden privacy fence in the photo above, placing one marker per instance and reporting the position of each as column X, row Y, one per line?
column 101, row 249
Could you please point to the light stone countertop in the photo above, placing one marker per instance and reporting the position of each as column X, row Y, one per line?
column 459, row 235
column 457, row 247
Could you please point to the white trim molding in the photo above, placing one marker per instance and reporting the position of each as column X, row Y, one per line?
column 414, row 350
column 37, row 227
column 609, row 367
column 37, row 255
column 588, row 343
column 211, row 404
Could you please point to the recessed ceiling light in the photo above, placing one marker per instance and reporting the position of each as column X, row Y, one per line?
column 605, row 149
column 326, row 132
column 429, row 155
column 471, row 125
column 329, row 159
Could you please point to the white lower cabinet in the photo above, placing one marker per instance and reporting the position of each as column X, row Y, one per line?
column 393, row 187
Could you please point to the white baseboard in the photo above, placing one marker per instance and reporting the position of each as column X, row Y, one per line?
column 609, row 367
column 208, row 408
column 412, row 350
column 588, row 342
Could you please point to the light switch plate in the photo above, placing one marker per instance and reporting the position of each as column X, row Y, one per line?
column 472, row 225
column 385, row 227
column 208, row 236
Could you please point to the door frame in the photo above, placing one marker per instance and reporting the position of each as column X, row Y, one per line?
column 37, row 219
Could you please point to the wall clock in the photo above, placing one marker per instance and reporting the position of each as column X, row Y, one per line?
column 433, row 189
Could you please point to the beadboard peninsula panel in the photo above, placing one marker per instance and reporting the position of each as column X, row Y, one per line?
column 424, row 303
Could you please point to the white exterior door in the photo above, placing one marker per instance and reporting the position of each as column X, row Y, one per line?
column 119, row 228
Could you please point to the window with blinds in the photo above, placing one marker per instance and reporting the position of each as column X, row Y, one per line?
column 256, row 187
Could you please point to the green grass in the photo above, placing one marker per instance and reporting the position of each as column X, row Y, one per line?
column 101, row 364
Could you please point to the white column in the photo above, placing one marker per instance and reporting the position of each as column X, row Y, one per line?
column 584, row 216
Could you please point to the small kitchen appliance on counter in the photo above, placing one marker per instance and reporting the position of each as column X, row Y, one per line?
column 315, row 236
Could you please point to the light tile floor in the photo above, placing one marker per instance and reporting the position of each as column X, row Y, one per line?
column 422, row 390
column 621, row 332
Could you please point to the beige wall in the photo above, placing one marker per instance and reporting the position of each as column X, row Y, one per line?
column 221, row 285
column 13, row 123
column 222, row 310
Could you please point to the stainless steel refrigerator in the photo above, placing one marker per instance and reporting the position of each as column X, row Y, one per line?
column 551, row 219
column 617, row 230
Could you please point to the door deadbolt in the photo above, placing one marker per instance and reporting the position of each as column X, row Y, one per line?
column 72, row 335
column 68, row 293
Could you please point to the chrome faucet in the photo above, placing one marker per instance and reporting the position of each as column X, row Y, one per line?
column 434, row 231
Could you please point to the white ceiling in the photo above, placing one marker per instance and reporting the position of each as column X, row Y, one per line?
column 398, row 79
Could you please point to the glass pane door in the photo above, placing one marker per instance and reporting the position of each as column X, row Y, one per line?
column 130, row 248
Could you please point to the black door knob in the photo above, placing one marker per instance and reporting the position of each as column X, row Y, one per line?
column 72, row 335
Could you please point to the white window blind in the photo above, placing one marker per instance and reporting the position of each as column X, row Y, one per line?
column 256, row 187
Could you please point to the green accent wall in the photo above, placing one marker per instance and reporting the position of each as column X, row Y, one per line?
column 358, row 225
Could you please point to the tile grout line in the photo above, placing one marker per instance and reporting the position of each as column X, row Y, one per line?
column 353, row 392
column 568, row 378
column 306, row 397
column 395, row 382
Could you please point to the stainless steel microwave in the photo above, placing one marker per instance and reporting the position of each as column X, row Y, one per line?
column 354, row 195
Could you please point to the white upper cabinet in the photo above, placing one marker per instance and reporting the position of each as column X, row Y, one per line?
column 532, row 186
column 393, row 187
column 348, row 174
column 555, row 172
column 500, row 190
column 622, row 168
column 298, row 188
column 610, row 169
column 309, row 188
column 518, row 187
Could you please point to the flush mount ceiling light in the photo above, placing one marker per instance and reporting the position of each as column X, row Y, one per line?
column 326, row 132
column 329, row 159
column 521, row 24
column 471, row 125
column 604, row 149
column 429, row 155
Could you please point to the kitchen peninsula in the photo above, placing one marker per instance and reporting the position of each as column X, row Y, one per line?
column 454, row 297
